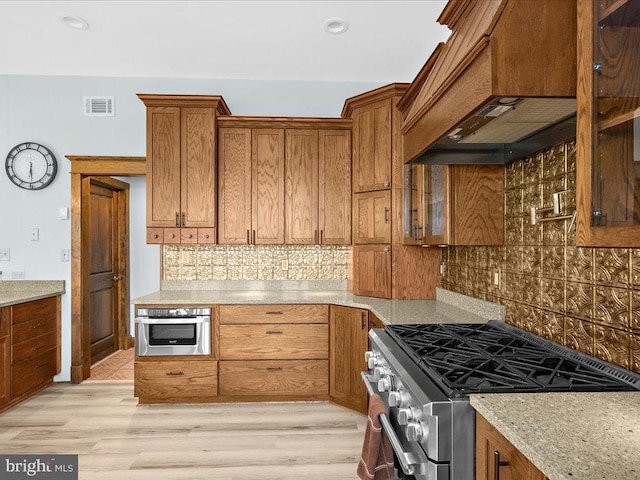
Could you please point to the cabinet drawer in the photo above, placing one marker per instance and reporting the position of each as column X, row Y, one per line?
column 23, row 350
column 230, row 314
column 279, row 377
column 30, row 310
column 32, row 372
column 274, row 341
column 176, row 380
column 33, row 328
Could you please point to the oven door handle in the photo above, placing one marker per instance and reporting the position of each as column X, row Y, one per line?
column 407, row 460
column 171, row 321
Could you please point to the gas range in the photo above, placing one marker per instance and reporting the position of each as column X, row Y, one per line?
column 425, row 373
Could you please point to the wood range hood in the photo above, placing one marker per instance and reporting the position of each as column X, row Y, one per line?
column 501, row 87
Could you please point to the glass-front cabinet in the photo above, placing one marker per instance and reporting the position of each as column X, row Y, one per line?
column 608, row 155
column 424, row 204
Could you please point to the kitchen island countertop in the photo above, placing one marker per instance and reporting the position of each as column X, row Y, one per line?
column 570, row 436
column 448, row 308
column 21, row 291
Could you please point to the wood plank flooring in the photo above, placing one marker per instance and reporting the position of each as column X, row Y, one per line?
column 116, row 439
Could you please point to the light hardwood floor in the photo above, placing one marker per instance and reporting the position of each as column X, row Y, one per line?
column 116, row 439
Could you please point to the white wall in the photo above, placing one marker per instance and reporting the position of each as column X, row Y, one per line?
column 48, row 110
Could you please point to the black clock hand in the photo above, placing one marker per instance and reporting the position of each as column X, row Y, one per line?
column 30, row 170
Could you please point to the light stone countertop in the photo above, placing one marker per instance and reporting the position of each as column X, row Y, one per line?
column 13, row 292
column 570, row 436
column 441, row 310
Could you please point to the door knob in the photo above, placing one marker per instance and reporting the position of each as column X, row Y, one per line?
column 116, row 278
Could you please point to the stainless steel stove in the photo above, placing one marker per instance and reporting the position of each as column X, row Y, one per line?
column 425, row 373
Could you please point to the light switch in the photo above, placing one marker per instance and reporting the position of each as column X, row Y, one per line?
column 35, row 234
column 17, row 275
column 63, row 213
column 64, row 255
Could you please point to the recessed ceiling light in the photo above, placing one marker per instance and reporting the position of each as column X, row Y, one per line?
column 336, row 26
column 74, row 21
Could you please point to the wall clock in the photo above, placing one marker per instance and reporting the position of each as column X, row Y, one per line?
column 31, row 166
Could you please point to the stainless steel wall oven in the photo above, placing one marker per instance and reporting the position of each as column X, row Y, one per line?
column 173, row 331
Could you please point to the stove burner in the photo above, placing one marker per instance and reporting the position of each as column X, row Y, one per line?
column 483, row 358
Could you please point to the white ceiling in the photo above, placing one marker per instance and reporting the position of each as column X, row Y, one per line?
column 387, row 41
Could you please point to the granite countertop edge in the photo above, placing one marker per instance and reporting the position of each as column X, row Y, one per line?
column 22, row 291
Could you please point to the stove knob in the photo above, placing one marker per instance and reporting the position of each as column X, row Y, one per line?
column 405, row 415
column 395, row 398
column 414, row 431
column 372, row 362
column 368, row 355
column 384, row 384
column 380, row 372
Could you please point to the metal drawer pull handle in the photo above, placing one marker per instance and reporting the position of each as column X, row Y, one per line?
column 40, row 307
column 274, row 312
column 174, row 374
column 155, row 235
column 177, row 219
column 36, row 368
column 407, row 460
column 274, row 332
column 39, row 347
column 35, row 327
column 183, row 222
column 189, row 235
column 206, row 235
column 274, row 369
column 497, row 463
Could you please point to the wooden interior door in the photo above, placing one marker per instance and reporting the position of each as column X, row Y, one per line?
column 348, row 329
column 334, row 216
column 103, row 270
column 301, row 189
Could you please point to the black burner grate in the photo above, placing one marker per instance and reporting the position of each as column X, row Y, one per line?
column 483, row 358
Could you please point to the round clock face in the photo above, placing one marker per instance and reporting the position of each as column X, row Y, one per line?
column 31, row 166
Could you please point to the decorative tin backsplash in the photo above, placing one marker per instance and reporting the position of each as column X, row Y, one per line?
column 585, row 298
column 254, row 262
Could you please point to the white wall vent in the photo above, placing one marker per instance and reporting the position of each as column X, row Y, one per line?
column 99, row 106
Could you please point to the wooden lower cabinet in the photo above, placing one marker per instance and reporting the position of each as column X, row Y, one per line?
column 281, row 378
column 175, row 381
column 29, row 349
column 494, row 451
column 348, row 341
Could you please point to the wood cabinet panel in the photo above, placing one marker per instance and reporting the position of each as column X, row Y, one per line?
column 301, row 199
column 275, row 377
column 206, row 236
column 163, row 166
column 372, row 270
column 372, row 212
column 176, row 381
column 334, row 208
column 35, row 309
column 348, row 343
column 5, row 370
column 34, row 371
column 33, row 346
column 268, row 186
column 273, row 342
column 491, row 448
column 241, row 314
column 234, row 159
column 33, row 328
column 372, row 147
column 155, row 235
column 198, row 167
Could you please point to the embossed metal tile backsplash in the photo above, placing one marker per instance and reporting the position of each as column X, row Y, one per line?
column 585, row 298
column 254, row 262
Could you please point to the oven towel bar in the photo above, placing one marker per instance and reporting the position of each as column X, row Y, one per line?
column 376, row 461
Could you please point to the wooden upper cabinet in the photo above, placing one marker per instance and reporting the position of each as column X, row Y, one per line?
column 464, row 205
column 268, row 186
column 608, row 158
column 372, row 270
column 301, row 200
column 372, row 213
column 234, row 167
column 181, row 159
column 372, row 146
column 334, row 216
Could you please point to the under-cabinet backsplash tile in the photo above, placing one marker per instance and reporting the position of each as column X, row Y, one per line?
column 586, row 298
column 251, row 262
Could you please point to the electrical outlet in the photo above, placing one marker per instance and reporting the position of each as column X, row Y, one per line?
column 35, row 234
column 17, row 275
column 496, row 278
column 285, row 264
column 64, row 255
column 5, row 254
column 442, row 269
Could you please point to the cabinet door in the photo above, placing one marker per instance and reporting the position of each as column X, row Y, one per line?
column 347, row 344
column 198, row 168
column 335, row 187
column 268, row 186
column 163, row 167
column 495, row 452
column 372, row 147
column 5, row 369
column 234, row 164
column 436, row 205
column 372, row 212
column 372, row 270
column 301, row 188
